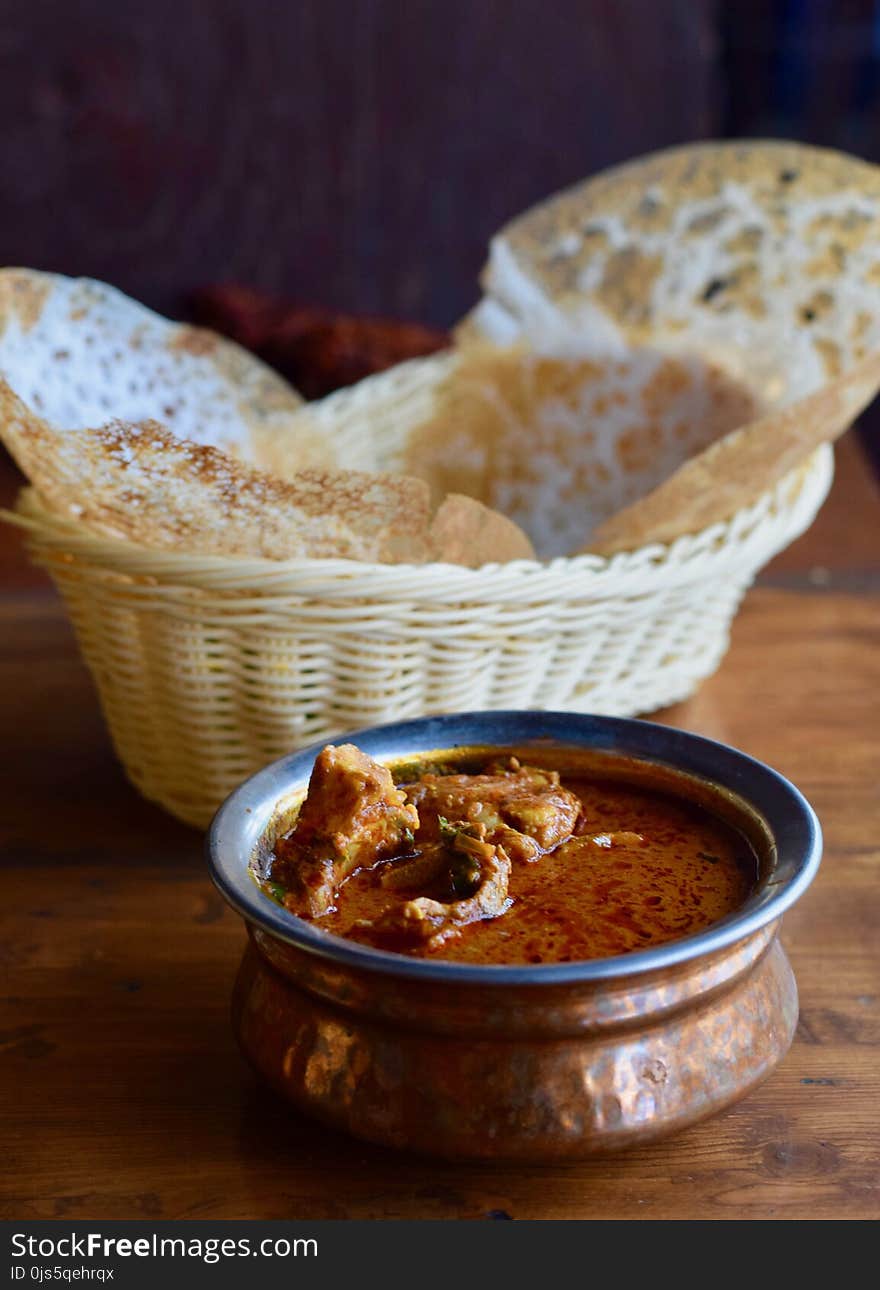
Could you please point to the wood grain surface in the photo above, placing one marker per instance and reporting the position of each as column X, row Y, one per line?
column 124, row 1097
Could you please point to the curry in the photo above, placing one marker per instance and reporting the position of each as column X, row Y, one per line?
column 501, row 861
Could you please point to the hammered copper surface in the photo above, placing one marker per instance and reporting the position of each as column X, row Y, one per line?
column 507, row 1071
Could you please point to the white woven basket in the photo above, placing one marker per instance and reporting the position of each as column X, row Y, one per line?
column 208, row 667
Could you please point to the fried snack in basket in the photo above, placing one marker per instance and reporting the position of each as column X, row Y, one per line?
column 80, row 354
column 749, row 271
column 141, row 482
column 319, row 350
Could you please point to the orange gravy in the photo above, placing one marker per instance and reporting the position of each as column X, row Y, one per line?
column 586, row 901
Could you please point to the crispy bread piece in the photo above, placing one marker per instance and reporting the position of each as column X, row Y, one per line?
column 758, row 261
column 140, row 482
column 562, row 444
column 79, row 353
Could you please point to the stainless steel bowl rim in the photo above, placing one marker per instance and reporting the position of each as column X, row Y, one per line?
column 246, row 814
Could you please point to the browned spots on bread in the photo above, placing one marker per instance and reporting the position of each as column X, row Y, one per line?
column 22, row 296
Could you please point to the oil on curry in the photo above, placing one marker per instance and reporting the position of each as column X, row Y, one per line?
column 488, row 859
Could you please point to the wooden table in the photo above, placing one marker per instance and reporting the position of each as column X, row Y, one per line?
column 125, row 1097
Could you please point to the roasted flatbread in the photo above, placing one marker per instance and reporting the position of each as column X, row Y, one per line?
column 80, row 354
column 754, row 265
column 176, row 438
column 138, row 481
column 562, row 444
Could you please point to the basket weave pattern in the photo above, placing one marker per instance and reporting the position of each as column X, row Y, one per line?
column 209, row 667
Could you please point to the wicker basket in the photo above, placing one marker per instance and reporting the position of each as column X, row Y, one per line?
column 208, row 667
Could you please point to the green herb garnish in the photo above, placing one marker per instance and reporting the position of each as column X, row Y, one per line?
column 464, row 875
column 448, row 832
column 465, row 869
column 704, row 855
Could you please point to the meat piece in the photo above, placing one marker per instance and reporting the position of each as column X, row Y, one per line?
column 434, row 921
column 446, row 869
column 414, row 873
column 352, row 815
column 523, row 809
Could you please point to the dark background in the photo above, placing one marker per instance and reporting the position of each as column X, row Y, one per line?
column 359, row 153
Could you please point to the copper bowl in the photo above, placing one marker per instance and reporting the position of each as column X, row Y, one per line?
column 521, row 1062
